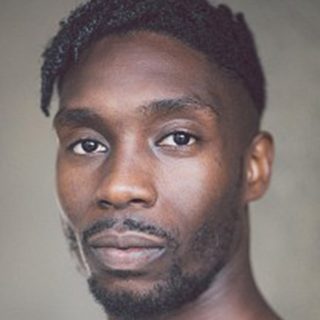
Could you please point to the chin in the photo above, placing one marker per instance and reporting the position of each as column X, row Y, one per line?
column 131, row 296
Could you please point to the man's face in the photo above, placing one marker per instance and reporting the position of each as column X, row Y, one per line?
column 150, row 170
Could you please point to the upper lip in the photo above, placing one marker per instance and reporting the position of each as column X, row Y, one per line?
column 125, row 240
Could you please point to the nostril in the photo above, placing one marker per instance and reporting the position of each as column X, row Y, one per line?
column 119, row 194
column 137, row 201
column 104, row 204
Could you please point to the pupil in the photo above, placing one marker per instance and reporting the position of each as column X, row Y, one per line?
column 89, row 146
column 181, row 138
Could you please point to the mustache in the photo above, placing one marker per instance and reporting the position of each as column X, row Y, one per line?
column 127, row 225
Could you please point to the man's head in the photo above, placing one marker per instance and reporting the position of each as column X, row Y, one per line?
column 160, row 151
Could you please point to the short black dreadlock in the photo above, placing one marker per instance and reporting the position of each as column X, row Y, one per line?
column 215, row 31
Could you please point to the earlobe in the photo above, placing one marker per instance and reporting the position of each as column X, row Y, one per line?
column 259, row 160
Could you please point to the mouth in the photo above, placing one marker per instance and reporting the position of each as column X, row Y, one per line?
column 129, row 251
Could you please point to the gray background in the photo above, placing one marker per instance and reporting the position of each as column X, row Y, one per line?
column 38, row 279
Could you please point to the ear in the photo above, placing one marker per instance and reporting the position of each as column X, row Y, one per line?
column 258, row 163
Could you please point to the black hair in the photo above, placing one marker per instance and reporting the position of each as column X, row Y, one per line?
column 222, row 36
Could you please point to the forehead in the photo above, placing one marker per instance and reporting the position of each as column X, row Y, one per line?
column 158, row 62
column 128, row 70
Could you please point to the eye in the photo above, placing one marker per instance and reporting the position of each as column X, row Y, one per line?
column 179, row 138
column 88, row 146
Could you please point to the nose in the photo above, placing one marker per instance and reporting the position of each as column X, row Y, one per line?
column 126, row 183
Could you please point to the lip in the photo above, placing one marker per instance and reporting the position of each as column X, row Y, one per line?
column 129, row 251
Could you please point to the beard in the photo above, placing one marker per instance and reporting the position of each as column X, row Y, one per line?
column 211, row 245
column 177, row 291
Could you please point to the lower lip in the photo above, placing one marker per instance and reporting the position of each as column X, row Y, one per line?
column 127, row 259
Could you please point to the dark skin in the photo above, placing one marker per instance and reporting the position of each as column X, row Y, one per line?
column 151, row 131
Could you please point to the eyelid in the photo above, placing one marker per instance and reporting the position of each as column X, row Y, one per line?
column 78, row 142
column 171, row 134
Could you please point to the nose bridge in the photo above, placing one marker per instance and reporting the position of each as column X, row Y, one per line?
column 127, row 179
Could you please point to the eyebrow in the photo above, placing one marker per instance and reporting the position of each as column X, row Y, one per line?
column 86, row 117
column 78, row 117
column 180, row 104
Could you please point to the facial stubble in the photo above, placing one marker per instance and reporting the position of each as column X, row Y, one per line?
column 211, row 244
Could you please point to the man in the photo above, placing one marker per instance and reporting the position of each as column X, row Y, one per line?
column 160, row 155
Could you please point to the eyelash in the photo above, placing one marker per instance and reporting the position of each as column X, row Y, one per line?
column 174, row 143
column 104, row 149
column 96, row 144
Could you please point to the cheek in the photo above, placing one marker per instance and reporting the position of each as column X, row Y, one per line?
column 75, row 189
column 192, row 188
column 202, row 198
